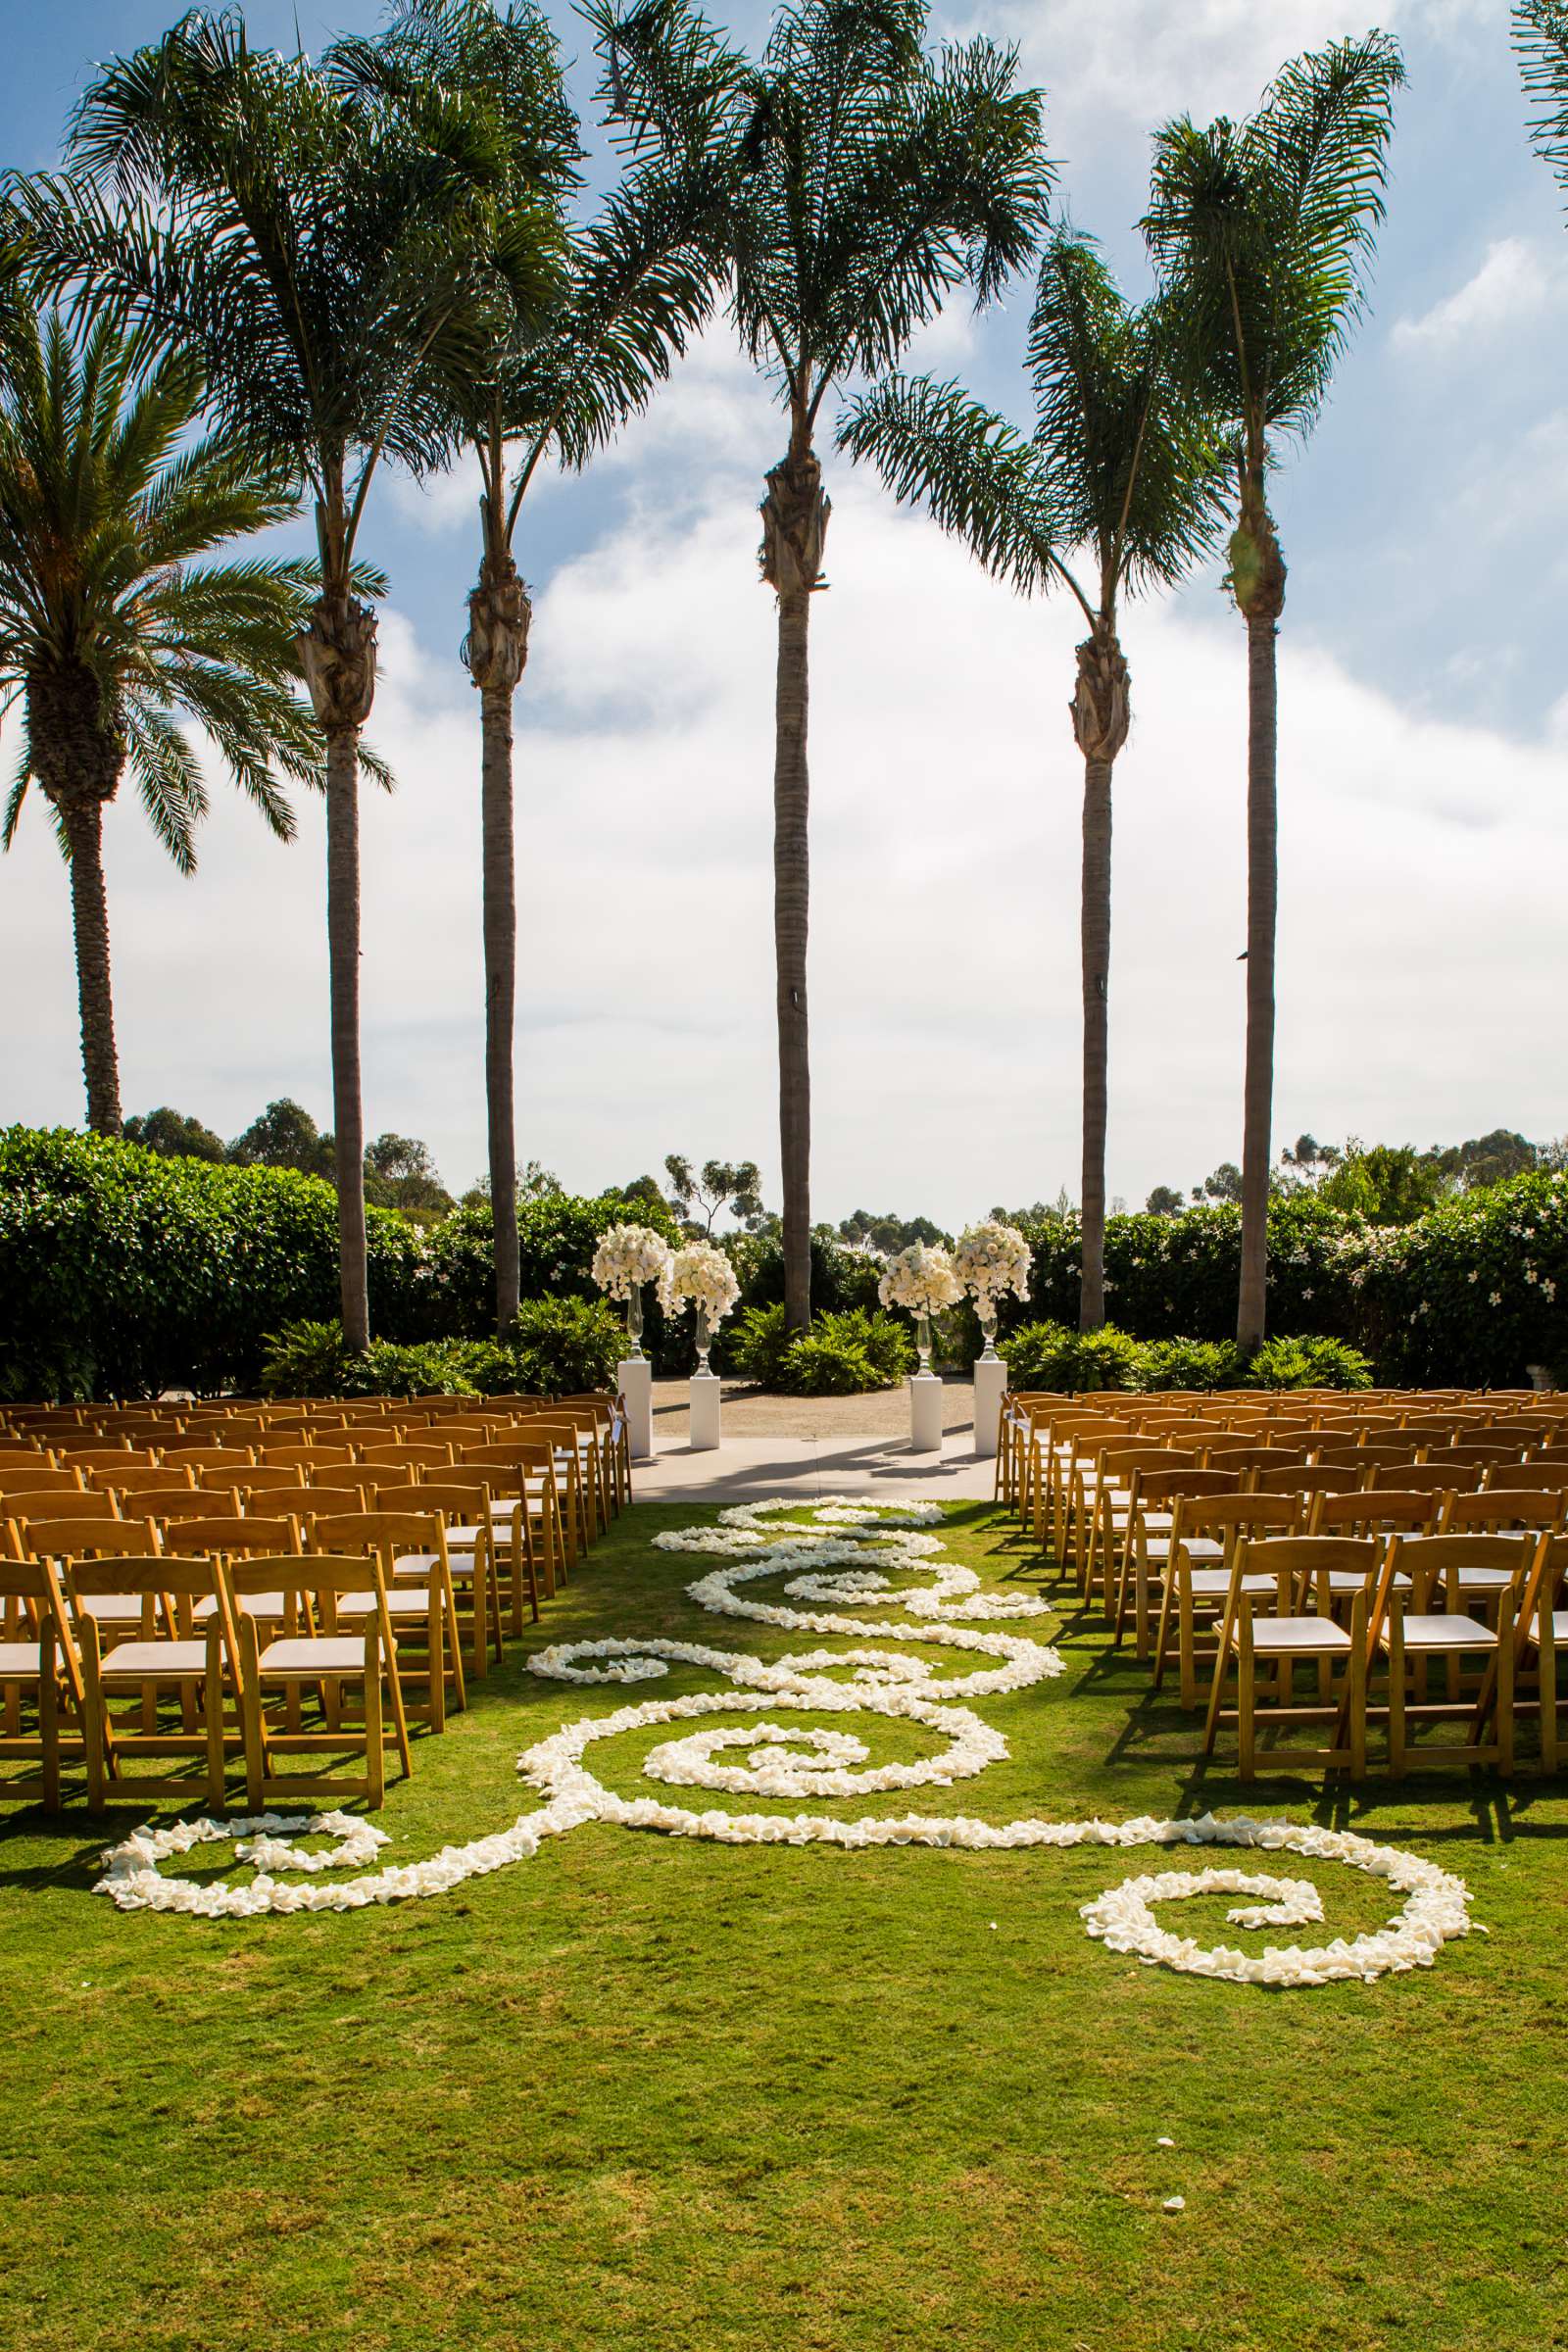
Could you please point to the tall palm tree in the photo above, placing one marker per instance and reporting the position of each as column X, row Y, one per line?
column 639, row 278
column 318, row 249
column 1119, row 468
column 871, row 181
column 1263, row 232
column 111, row 622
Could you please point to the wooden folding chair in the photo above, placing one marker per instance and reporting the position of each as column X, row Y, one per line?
column 35, row 1646
column 1146, row 1549
column 416, row 1593
column 1281, row 1613
column 1104, row 1507
column 188, row 1665
column 527, row 1473
column 1197, row 1586
column 1542, row 1635
column 1430, row 1622
column 300, row 1661
column 471, row 1558
column 25, row 1487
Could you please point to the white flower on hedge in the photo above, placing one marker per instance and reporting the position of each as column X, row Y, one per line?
column 922, row 1280
column 628, row 1257
column 701, row 1272
column 1494, row 1298
column 991, row 1259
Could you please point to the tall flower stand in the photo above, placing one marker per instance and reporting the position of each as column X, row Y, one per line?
column 990, row 1385
column 706, row 1388
column 635, row 1376
column 926, row 1413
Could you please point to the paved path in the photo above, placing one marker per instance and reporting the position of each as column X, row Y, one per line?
column 745, row 1469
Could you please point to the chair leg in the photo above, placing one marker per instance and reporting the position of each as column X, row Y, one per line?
column 1357, row 1696
column 1506, row 1665
column 435, row 1648
column 49, row 1724
column 95, row 1736
column 1245, row 1704
column 374, row 1751
column 1395, row 1696
column 213, row 1703
column 1188, row 1647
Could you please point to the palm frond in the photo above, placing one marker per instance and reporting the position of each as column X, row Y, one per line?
column 1540, row 30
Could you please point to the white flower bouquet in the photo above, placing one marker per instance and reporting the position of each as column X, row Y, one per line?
column 628, row 1257
column 922, row 1280
column 990, row 1259
column 703, row 1273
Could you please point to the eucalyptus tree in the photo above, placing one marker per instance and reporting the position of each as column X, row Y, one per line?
column 870, row 181
column 114, row 625
column 1120, row 469
column 316, row 246
column 1263, row 232
column 639, row 278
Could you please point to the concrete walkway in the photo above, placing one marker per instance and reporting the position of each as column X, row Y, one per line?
column 746, row 1469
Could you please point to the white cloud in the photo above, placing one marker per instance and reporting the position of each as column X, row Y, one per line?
column 1419, row 930
column 1514, row 279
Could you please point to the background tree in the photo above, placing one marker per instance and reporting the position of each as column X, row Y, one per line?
column 1164, row 1202
column 1119, row 468
column 174, row 1136
column 722, row 1184
column 1261, row 232
column 869, row 182
column 285, row 1136
column 887, row 1234
column 534, row 392
column 317, row 246
column 112, row 627
column 1224, row 1185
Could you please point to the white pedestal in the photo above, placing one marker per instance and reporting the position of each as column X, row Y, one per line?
column 706, row 1388
column 636, row 1379
column 990, row 1380
column 926, row 1413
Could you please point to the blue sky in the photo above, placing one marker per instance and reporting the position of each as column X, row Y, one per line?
column 1423, row 735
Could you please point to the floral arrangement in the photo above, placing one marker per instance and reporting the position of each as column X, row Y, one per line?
column 628, row 1257
column 921, row 1279
column 991, row 1259
column 853, row 1554
column 703, row 1273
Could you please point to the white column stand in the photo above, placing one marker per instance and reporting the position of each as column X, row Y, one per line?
column 706, row 1388
column 926, row 1413
column 990, row 1381
column 636, row 1378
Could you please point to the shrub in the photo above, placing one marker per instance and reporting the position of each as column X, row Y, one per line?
column 1187, row 1364
column 562, row 1346
column 841, row 1356
column 1048, row 1355
column 1311, row 1362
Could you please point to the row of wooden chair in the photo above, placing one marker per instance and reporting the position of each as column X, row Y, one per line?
column 118, row 1581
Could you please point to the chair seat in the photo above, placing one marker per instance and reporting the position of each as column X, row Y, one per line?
column 312, row 1655
column 154, row 1661
column 1282, row 1637
column 271, row 1606
column 1343, row 1581
column 1559, row 1628
column 1213, row 1584
column 1196, row 1547
column 18, row 1661
column 410, row 1603
column 1485, row 1580
column 1445, row 1633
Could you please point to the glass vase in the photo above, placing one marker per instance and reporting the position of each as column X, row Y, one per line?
column 705, row 1341
column 987, row 1311
column 922, row 1340
column 634, row 1322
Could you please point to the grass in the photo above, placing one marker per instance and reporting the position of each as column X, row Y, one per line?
column 648, row 2093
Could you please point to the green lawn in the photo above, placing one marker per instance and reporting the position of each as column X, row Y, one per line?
column 670, row 2096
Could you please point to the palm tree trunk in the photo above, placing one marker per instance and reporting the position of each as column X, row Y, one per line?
column 500, row 991
column 1263, row 896
column 795, row 519
column 1100, row 716
column 1095, row 933
column 83, row 820
column 343, row 961
column 791, row 916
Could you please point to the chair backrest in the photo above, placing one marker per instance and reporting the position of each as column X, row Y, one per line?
column 1307, row 1480
column 107, row 1457
column 211, row 1457
column 339, row 1496
column 1223, row 1454
column 1435, row 1563
column 1376, row 1511
column 1302, row 1565
column 177, row 1505
column 58, row 1503
column 138, row 1477
column 1159, row 1488
column 1228, row 1516
column 1499, row 1508
column 1545, row 1475
column 161, row 1576
column 306, row 1578
column 83, row 1539
column 386, row 1533
column 239, row 1535
column 34, row 1478
column 24, row 1457
column 1438, row 1475
column 305, row 1452
column 515, row 1454
column 1119, row 1460
column 263, row 1479
column 416, row 1453
column 1487, row 1450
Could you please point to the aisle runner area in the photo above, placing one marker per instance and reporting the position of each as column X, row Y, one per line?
column 854, row 1555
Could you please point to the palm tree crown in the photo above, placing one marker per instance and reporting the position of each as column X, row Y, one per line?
column 113, row 628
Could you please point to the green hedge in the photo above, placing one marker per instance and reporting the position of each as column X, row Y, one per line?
column 1051, row 1355
column 561, row 1346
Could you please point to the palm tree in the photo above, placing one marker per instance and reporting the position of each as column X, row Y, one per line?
column 1263, row 232
column 1117, row 467
column 317, row 246
column 110, row 624
column 639, row 278
column 870, row 181
column 1540, row 44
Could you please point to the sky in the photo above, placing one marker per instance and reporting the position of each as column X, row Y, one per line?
column 1423, row 713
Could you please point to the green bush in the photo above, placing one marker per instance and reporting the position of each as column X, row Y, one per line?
column 841, row 1356
column 563, row 1346
column 1187, row 1364
column 1049, row 1355
column 1306, row 1363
